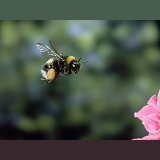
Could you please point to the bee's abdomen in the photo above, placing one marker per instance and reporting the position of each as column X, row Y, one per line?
column 45, row 67
column 58, row 66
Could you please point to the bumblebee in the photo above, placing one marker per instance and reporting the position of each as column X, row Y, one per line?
column 59, row 64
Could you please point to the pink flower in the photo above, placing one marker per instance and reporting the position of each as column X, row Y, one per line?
column 149, row 137
column 150, row 117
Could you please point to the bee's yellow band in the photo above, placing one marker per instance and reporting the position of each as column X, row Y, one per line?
column 70, row 59
column 50, row 61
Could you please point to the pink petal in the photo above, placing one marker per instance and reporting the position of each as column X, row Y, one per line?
column 155, row 118
column 151, row 125
column 149, row 137
column 145, row 111
column 153, row 100
column 158, row 100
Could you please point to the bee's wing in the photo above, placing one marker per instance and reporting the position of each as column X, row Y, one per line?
column 56, row 49
column 44, row 49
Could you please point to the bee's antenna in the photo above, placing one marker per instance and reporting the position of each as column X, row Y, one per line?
column 79, row 60
column 84, row 62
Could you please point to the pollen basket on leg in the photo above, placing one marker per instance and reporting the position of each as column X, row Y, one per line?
column 51, row 74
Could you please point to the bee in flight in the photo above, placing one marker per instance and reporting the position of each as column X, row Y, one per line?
column 59, row 64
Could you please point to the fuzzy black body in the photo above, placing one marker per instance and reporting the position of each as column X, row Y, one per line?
column 62, row 65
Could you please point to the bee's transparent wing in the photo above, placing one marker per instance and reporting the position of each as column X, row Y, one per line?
column 46, row 50
column 56, row 49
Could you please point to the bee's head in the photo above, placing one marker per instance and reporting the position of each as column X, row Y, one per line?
column 75, row 66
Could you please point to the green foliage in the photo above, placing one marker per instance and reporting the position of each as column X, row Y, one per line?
column 99, row 102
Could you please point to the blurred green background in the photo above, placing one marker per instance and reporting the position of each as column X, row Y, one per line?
column 123, row 72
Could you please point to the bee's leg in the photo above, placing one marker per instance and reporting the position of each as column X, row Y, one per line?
column 49, row 81
column 67, row 71
column 43, row 79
